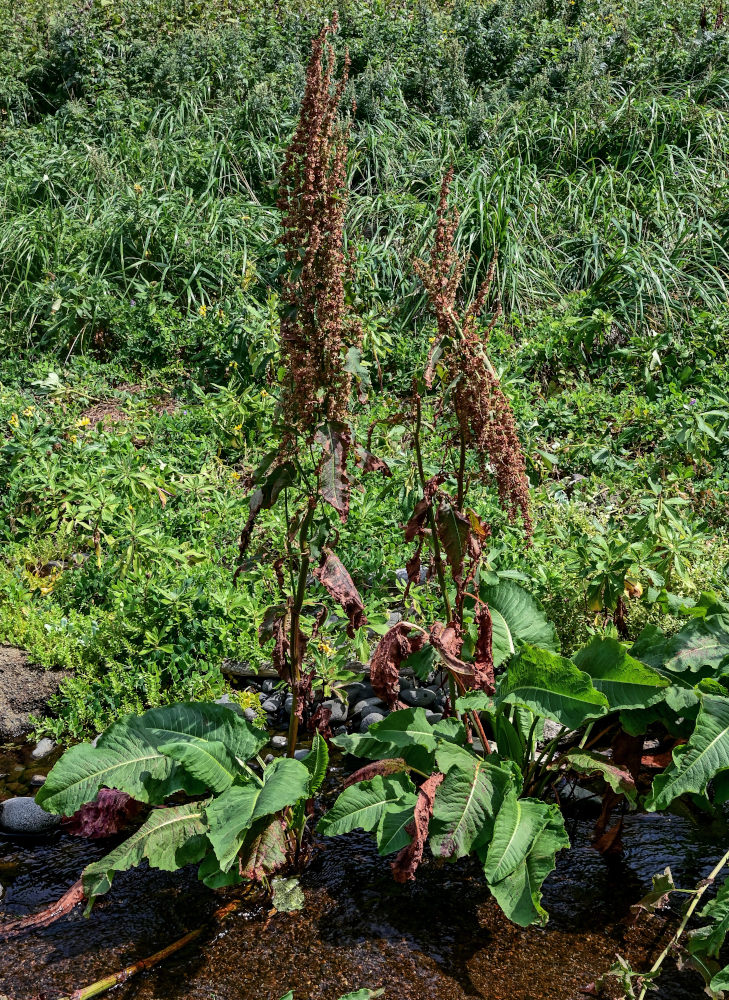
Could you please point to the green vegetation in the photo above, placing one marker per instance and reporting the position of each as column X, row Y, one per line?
column 488, row 266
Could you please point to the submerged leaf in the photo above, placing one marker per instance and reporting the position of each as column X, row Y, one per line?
column 657, row 898
column 287, row 895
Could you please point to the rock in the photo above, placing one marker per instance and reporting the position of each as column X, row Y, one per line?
column 226, row 700
column 250, row 714
column 45, row 747
column 551, row 730
column 268, row 686
column 359, row 691
column 271, row 705
column 269, row 758
column 279, row 742
column 369, row 720
column 236, row 668
column 37, row 780
column 301, row 754
column 262, row 697
column 395, row 617
column 337, row 708
column 340, row 731
column 433, row 717
column 419, row 697
column 288, row 704
column 402, row 576
column 22, row 815
column 368, row 703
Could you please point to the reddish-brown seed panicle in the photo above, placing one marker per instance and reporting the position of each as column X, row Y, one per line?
column 312, row 200
column 485, row 419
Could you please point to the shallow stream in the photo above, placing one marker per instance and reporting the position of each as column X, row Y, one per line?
column 441, row 938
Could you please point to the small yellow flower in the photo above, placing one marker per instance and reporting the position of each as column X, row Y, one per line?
column 203, row 310
column 235, row 475
column 14, row 420
column 238, row 427
column 84, row 422
column 29, row 411
column 147, row 254
column 263, row 393
column 137, row 188
column 431, row 340
column 73, row 439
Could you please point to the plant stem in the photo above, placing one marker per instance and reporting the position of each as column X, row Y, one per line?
column 296, row 653
column 461, row 474
column 437, row 558
column 698, row 893
column 108, row 982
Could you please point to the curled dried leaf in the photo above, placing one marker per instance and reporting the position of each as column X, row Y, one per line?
column 382, row 767
column 483, row 658
column 394, row 647
column 333, row 576
column 406, row 863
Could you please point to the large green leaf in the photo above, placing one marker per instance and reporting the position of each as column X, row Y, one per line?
column 128, row 755
column 552, row 686
column 517, row 617
column 391, row 833
column 124, row 758
column 466, row 803
column 169, row 839
column 361, row 806
column 316, row 763
column 695, row 763
column 209, row 762
column 231, row 814
column 404, row 728
column 700, row 645
column 619, row 778
column 626, row 682
column 527, row 835
column 201, row 723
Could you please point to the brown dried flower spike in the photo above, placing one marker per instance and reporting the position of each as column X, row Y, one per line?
column 485, row 418
column 312, row 200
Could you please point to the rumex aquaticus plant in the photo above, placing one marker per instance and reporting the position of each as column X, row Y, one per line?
column 308, row 468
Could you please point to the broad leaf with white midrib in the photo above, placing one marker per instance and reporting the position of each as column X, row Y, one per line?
column 161, row 839
column 552, row 686
column 527, row 835
column 516, row 617
column 466, row 803
column 362, row 805
column 626, row 682
column 695, row 763
column 232, row 813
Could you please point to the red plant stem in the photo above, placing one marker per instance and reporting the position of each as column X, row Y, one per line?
column 47, row 916
column 297, row 653
column 437, row 559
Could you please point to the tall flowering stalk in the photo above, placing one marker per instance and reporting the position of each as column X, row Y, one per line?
column 312, row 201
column 308, row 467
column 476, row 419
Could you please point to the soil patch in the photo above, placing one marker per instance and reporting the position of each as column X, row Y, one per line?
column 25, row 688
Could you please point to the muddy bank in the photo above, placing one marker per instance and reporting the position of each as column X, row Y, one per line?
column 25, row 688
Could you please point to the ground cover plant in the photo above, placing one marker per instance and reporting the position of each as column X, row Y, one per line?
column 454, row 323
